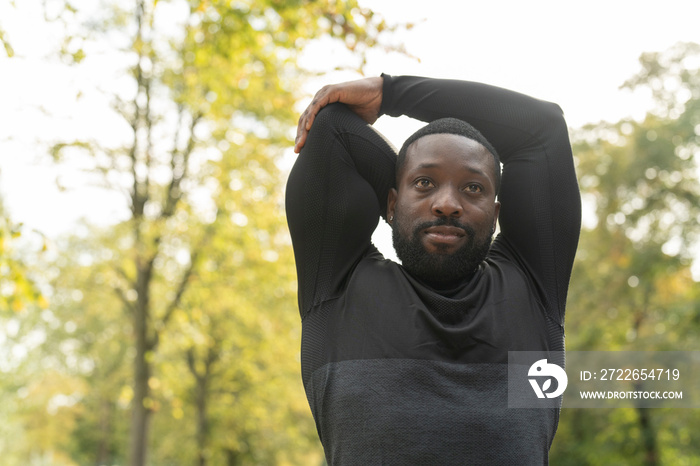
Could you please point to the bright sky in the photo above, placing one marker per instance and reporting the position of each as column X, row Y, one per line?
column 576, row 54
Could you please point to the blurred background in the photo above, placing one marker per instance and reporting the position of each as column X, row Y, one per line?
column 148, row 308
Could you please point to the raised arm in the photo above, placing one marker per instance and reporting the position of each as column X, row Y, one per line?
column 540, row 203
column 336, row 192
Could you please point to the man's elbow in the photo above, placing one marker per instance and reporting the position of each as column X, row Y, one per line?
column 551, row 120
column 553, row 114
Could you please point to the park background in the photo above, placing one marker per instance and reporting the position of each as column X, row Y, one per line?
column 147, row 286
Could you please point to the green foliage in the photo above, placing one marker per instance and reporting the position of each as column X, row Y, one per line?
column 9, row 51
column 632, row 287
column 17, row 289
column 6, row 44
column 176, row 330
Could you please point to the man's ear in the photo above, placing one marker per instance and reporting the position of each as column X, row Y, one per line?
column 496, row 211
column 391, row 205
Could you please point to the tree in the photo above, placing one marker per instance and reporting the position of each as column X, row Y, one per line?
column 21, row 302
column 90, row 343
column 642, row 179
column 204, row 79
column 233, row 327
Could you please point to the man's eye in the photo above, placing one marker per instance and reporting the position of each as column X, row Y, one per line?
column 473, row 188
column 423, row 183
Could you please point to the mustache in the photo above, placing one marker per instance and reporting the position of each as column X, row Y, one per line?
column 445, row 221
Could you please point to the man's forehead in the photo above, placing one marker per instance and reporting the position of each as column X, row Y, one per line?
column 445, row 144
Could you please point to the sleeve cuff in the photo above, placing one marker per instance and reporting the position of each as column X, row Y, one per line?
column 387, row 96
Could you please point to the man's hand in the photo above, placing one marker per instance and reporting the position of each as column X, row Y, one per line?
column 364, row 97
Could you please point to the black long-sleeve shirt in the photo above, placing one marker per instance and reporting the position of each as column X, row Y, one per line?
column 397, row 372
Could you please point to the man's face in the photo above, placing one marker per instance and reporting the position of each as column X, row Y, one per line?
column 444, row 208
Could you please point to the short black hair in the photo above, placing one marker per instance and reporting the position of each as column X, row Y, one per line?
column 450, row 126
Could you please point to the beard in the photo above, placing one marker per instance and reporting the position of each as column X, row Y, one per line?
column 441, row 269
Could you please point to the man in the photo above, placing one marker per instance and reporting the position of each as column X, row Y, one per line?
column 407, row 364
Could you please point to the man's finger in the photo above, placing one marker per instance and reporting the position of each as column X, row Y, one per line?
column 316, row 105
column 320, row 100
column 301, row 140
column 300, row 130
column 301, row 137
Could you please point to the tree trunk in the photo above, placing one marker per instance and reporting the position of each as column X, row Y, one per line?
column 103, row 446
column 651, row 453
column 202, row 381
column 141, row 411
column 233, row 458
column 202, row 419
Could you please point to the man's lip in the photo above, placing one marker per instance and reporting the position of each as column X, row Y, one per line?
column 445, row 230
column 445, row 234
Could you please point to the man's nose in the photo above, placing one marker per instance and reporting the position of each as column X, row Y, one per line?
column 447, row 203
